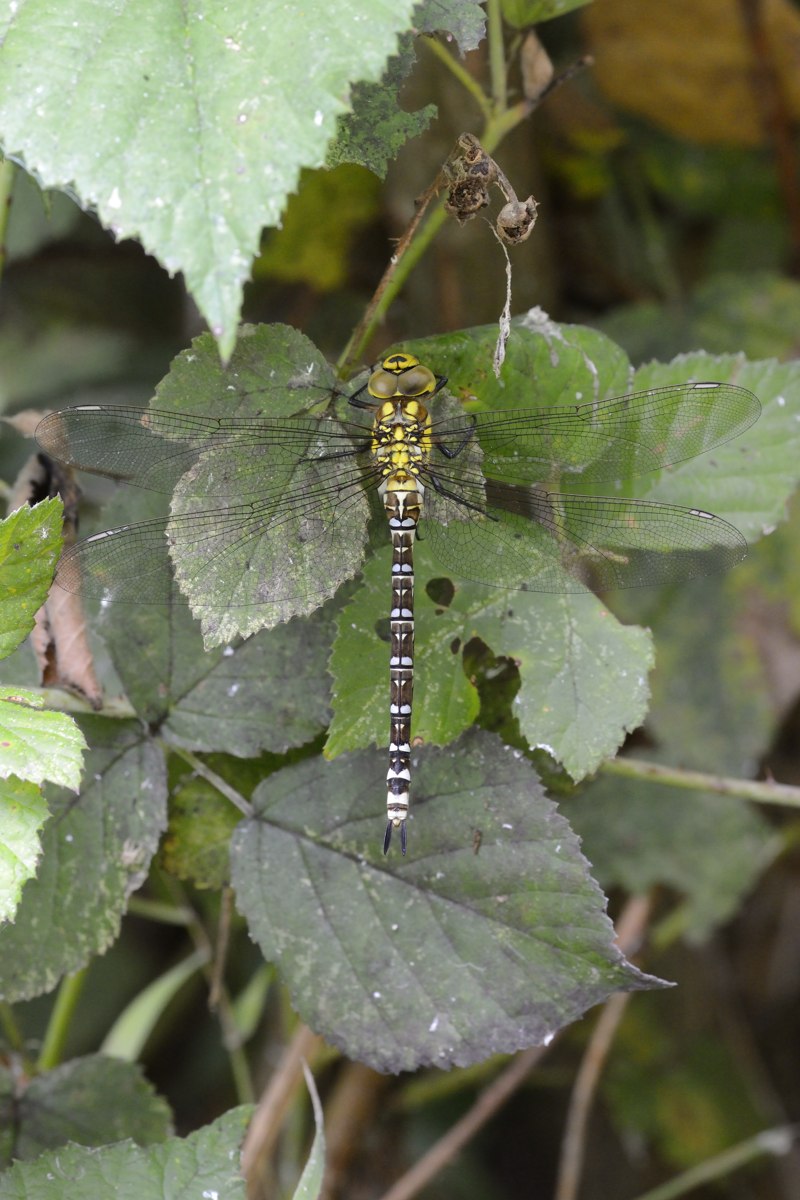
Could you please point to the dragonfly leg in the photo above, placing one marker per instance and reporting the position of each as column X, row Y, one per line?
column 469, row 436
column 462, row 500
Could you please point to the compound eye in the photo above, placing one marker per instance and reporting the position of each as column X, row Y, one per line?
column 382, row 385
column 419, row 381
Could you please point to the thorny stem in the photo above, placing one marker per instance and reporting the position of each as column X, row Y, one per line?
column 761, row 791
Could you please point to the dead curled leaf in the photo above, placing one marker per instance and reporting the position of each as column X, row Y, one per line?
column 59, row 638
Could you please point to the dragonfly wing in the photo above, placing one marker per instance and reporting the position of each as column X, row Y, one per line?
column 534, row 540
column 280, row 555
column 288, row 550
column 608, row 440
column 129, row 564
column 153, row 449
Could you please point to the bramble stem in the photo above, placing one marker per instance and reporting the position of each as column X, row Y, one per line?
column 760, row 791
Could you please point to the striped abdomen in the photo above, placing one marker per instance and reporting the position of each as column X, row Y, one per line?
column 402, row 500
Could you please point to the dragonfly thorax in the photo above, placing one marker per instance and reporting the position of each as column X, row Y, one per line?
column 401, row 442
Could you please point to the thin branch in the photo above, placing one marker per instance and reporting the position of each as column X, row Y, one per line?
column 205, row 772
column 631, row 927
column 488, row 1103
column 777, row 1142
column 411, row 247
column 761, row 791
column 460, row 72
column 222, row 1006
column 58, row 1026
column 573, row 1143
column 501, row 125
column 497, row 58
column 275, row 1100
column 400, row 266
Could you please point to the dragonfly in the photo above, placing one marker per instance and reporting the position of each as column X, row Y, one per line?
column 501, row 497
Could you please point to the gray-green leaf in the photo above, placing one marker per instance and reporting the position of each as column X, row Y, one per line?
column 91, row 1101
column 488, row 936
column 96, row 850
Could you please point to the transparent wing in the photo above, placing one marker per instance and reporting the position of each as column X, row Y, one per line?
column 534, row 540
column 154, row 449
column 600, row 442
column 294, row 545
column 290, row 519
column 289, row 522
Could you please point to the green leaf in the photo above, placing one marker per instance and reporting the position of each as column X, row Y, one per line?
column 639, row 835
column 278, row 372
column 186, row 131
column 584, row 676
column 90, row 1101
column 464, row 19
column 38, row 745
column 310, row 1184
column 489, row 936
column 96, row 850
column 203, row 1164
column 23, row 812
column 197, row 844
column 748, row 480
column 522, row 13
column 445, row 702
column 30, row 543
column 714, row 703
column 128, row 1036
column 217, row 699
column 546, row 364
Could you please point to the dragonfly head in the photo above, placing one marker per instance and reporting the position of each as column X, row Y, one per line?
column 402, row 375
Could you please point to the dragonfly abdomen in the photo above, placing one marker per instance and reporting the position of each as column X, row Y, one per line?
column 402, row 500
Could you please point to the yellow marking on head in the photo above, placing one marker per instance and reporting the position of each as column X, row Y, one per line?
column 395, row 363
